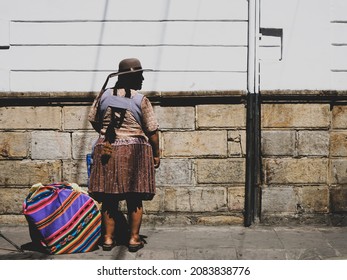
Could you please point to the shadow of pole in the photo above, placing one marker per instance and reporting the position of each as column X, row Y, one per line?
column 83, row 142
column 161, row 43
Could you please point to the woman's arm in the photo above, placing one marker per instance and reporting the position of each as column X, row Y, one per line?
column 154, row 141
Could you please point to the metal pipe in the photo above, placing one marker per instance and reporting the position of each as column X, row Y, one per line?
column 253, row 46
column 249, row 209
column 253, row 115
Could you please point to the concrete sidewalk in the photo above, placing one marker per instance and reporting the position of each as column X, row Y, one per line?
column 204, row 243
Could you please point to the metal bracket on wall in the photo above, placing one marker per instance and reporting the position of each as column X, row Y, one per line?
column 273, row 32
column 4, row 34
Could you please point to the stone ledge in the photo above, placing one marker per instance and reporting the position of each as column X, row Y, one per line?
column 169, row 94
column 304, row 92
column 174, row 94
column 183, row 98
column 47, row 96
column 175, row 98
column 303, row 95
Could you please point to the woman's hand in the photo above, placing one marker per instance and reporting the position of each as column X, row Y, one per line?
column 156, row 162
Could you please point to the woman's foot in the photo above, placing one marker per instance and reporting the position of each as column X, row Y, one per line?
column 135, row 244
column 108, row 245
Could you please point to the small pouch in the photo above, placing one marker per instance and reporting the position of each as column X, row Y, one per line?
column 109, row 137
column 106, row 151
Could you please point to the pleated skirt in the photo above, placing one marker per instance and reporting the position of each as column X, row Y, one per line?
column 129, row 171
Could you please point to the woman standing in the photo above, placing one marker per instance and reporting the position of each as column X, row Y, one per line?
column 126, row 152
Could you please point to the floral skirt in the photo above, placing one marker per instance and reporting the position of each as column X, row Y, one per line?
column 128, row 171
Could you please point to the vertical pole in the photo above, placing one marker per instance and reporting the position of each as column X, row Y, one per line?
column 249, row 190
column 253, row 116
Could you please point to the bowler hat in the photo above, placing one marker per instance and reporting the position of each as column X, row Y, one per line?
column 127, row 66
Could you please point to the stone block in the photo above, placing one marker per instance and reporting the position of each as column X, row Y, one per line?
column 30, row 118
column 174, row 172
column 338, row 171
column 208, row 199
column 28, row 172
column 236, row 198
column 198, row 199
column 219, row 220
column 313, row 143
column 295, row 115
column 313, row 199
column 177, row 199
column 175, row 117
column 13, row 220
column 195, row 143
column 221, row 116
column 82, row 144
column 278, row 200
column 154, row 205
column 338, row 144
column 14, row 144
column 339, row 117
column 75, row 171
column 50, row 145
column 76, row 117
column 236, row 143
column 11, row 200
column 278, row 143
column 338, row 199
column 167, row 219
column 302, row 171
column 227, row 171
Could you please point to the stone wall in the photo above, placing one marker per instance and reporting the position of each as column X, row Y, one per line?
column 201, row 179
column 304, row 162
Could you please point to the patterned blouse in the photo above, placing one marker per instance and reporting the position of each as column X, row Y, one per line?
column 129, row 127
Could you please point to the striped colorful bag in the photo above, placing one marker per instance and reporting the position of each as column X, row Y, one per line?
column 62, row 218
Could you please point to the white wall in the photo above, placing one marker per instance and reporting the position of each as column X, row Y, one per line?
column 71, row 45
column 314, row 45
column 339, row 44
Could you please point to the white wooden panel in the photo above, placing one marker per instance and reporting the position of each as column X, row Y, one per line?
column 76, row 43
column 339, row 58
column 204, row 59
column 339, row 33
column 306, row 44
column 130, row 33
column 4, row 80
column 5, row 60
column 4, row 69
column 208, row 9
column 79, row 58
column 4, row 33
column 339, row 80
column 272, row 53
column 4, row 9
column 162, row 81
column 338, row 10
column 276, row 75
column 128, row 10
column 106, row 58
column 269, row 41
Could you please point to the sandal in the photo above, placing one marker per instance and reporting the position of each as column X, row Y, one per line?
column 108, row 247
column 135, row 247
